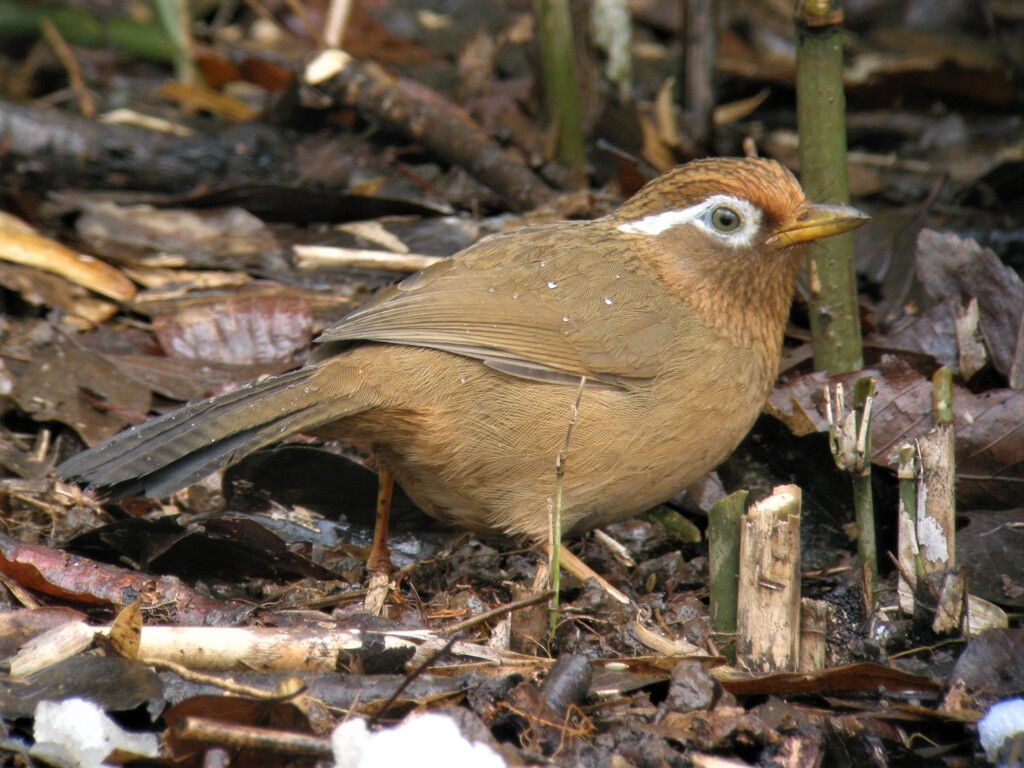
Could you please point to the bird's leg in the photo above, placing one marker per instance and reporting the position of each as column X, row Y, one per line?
column 379, row 559
column 378, row 563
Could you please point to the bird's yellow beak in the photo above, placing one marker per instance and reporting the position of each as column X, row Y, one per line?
column 815, row 221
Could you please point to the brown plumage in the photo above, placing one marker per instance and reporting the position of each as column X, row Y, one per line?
column 462, row 377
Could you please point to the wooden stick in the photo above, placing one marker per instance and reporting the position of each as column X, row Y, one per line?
column 494, row 613
column 430, row 120
column 328, row 257
column 337, row 21
column 210, row 731
column 582, row 571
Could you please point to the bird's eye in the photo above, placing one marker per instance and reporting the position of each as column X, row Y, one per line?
column 725, row 219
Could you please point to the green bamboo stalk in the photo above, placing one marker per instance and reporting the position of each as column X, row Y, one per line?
column 176, row 21
column 724, row 568
column 937, row 479
column 558, row 80
column 21, row 21
column 942, row 396
column 821, row 104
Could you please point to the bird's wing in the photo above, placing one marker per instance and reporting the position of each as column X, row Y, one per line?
column 584, row 308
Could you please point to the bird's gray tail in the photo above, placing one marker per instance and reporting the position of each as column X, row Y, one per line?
column 164, row 455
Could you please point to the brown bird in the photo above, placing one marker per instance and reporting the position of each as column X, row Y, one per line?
column 462, row 377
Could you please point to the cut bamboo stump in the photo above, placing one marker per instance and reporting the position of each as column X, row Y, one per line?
column 909, row 556
column 813, row 634
column 927, row 529
column 936, row 499
column 768, row 603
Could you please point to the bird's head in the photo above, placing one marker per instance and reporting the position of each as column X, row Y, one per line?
column 731, row 205
column 727, row 234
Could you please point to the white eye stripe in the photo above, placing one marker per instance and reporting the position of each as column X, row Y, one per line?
column 657, row 223
column 699, row 214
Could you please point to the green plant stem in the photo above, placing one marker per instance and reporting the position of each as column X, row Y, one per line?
column 821, row 105
column 866, row 542
column 21, row 21
column 558, row 79
column 174, row 16
column 555, row 558
column 724, row 568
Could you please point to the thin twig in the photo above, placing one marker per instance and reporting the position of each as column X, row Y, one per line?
column 86, row 102
column 224, row 684
column 337, row 20
column 209, row 731
column 501, row 610
column 412, row 676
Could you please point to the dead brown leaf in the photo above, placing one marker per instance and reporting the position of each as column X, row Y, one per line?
column 237, row 330
column 71, row 385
